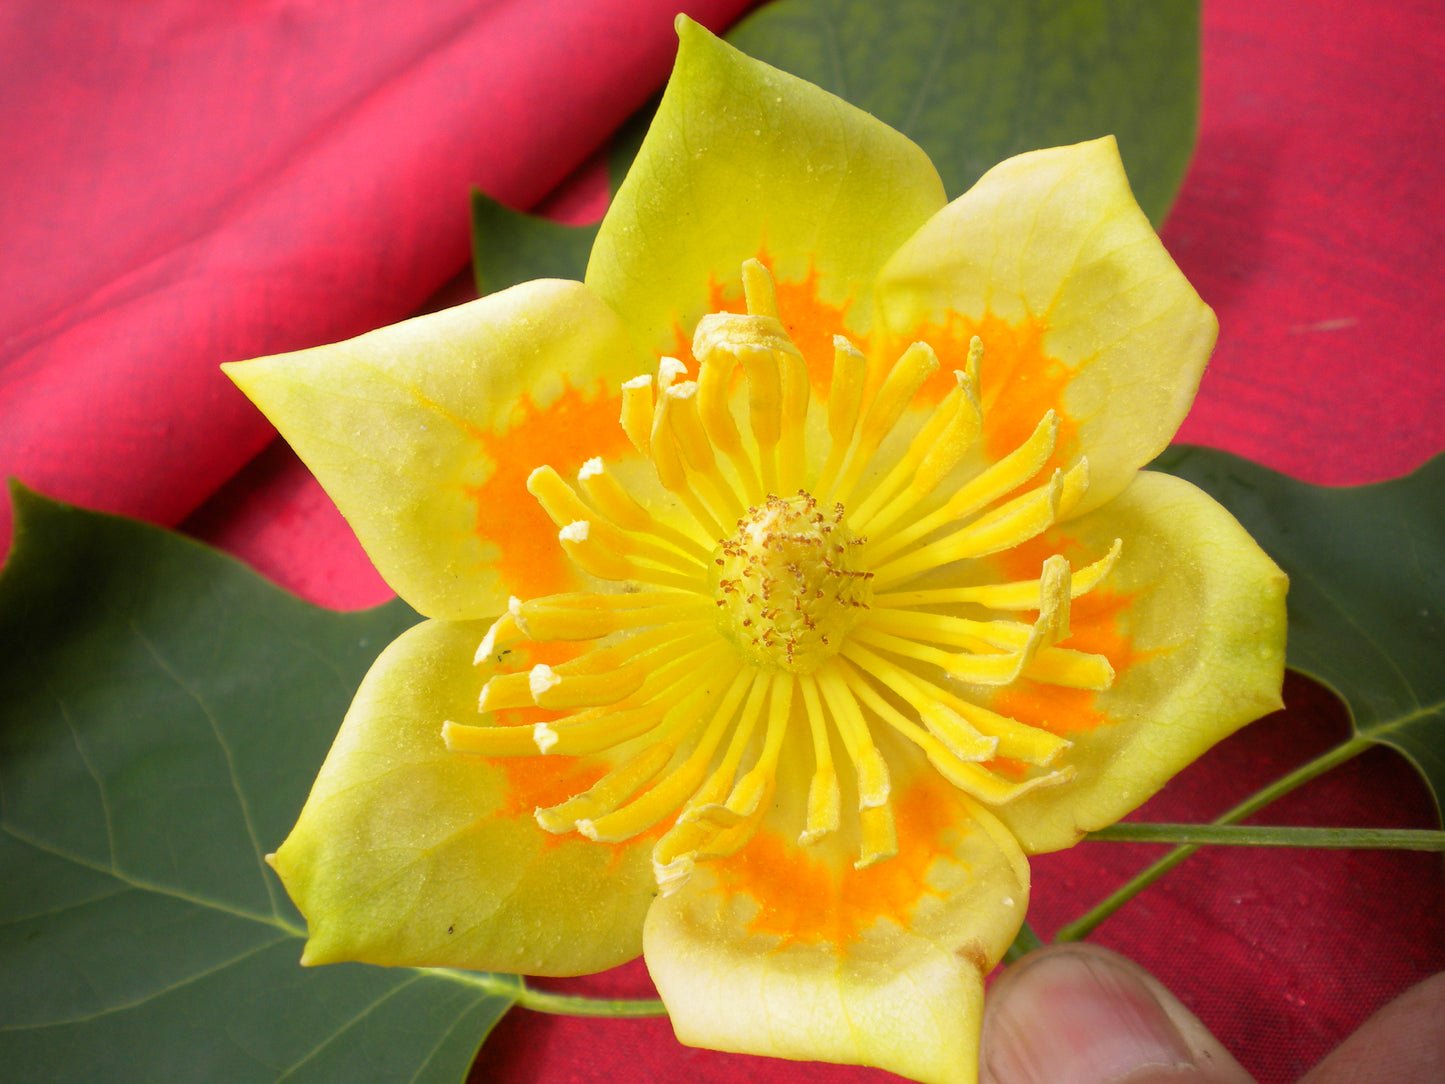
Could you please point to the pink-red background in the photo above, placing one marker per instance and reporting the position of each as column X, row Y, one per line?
column 189, row 183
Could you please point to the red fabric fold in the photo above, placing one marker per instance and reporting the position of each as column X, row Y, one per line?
column 192, row 183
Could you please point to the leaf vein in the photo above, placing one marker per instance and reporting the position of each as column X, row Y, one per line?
column 150, row 995
column 214, row 723
column 273, row 920
column 365, row 1012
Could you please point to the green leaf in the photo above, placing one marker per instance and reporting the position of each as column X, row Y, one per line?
column 163, row 711
column 510, row 246
column 975, row 83
column 1367, row 589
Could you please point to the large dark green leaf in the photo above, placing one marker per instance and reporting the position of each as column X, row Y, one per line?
column 163, row 711
column 972, row 83
column 1367, row 589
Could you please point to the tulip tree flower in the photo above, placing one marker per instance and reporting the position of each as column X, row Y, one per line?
column 788, row 581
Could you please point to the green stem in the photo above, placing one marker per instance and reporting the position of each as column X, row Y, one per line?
column 1251, row 835
column 1086, row 923
column 572, row 1005
column 515, row 989
column 1024, row 943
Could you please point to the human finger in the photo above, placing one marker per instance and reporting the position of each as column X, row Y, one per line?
column 1080, row 1014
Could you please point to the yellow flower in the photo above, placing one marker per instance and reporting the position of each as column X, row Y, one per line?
column 863, row 600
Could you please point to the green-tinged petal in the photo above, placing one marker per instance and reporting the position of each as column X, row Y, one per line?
column 1080, row 309
column 409, row 854
column 1192, row 617
column 793, row 953
column 424, row 432
column 743, row 160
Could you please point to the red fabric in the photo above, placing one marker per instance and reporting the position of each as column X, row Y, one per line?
column 192, row 183
column 205, row 182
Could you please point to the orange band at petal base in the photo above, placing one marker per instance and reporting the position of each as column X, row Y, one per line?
column 573, row 428
column 806, row 900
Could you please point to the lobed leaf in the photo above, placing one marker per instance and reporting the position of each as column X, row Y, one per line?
column 1367, row 589
column 163, row 712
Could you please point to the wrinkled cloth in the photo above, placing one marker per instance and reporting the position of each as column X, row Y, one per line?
column 189, row 185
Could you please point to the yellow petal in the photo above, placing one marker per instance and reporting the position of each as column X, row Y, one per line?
column 1192, row 617
column 408, row 854
column 1080, row 309
column 794, row 953
column 424, row 432
column 742, row 160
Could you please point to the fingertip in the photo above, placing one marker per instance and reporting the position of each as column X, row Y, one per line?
column 1079, row 1014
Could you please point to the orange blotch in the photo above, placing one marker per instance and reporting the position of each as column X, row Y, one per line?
column 564, row 434
column 808, row 901
column 538, row 780
column 1020, row 383
column 811, row 323
column 544, row 781
column 1098, row 624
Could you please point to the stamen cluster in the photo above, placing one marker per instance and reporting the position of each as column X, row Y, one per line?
column 806, row 621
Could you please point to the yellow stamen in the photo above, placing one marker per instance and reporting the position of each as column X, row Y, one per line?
column 714, row 405
column 587, row 616
column 637, row 412
column 1018, row 595
column 792, row 442
column 596, row 729
column 607, row 793
column 824, row 797
column 504, row 630
column 845, row 405
column 941, row 454
column 972, row 779
column 751, row 792
column 608, row 670
column 976, row 669
column 909, row 372
column 594, row 556
column 868, row 763
column 759, row 294
column 906, row 469
column 618, row 785
column 1005, row 527
column 946, row 629
column 697, row 451
column 673, row 788
column 562, row 504
column 765, row 407
column 1016, row 740
column 1071, row 669
column 1010, row 472
column 615, row 503
column 667, row 460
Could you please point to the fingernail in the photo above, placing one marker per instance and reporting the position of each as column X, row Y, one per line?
column 1076, row 1018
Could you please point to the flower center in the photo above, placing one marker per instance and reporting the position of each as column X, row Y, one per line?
column 811, row 617
column 788, row 586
